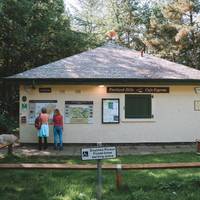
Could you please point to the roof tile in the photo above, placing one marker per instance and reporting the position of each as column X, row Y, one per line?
column 111, row 62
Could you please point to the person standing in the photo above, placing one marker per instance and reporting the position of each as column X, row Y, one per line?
column 58, row 129
column 43, row 132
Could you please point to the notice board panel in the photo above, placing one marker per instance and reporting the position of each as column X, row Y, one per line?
column 110, row 111
column 35, row 107
column 78, row 112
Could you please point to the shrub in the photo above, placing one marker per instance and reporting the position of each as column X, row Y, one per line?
column 7, row 123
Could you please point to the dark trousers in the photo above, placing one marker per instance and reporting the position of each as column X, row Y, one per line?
column 58, row 135
column 44, row 145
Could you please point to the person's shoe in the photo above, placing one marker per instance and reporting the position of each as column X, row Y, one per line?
column 61, row 148
column 55, row 148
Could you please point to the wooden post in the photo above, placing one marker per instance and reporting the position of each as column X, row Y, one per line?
column 118, row 176
column 99, row 176
column 198, row 146
column 10, row 149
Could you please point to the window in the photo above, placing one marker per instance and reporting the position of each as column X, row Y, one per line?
column 138, row 106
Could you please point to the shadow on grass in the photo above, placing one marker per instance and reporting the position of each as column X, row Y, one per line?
column 15, row 158
column 179, row 184
column 182, row 184
column 81, row 185
column 158, row 158
column 46, row 185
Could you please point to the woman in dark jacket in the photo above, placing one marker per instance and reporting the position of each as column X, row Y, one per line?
column 58, row 129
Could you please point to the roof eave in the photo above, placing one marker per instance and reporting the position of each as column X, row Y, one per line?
column 93, row 81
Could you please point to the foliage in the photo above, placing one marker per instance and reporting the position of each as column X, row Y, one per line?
column 33, row 33
column 174, row 34
column 169, row 29
column 7, row 124
column 124, row 17
column 89, row 18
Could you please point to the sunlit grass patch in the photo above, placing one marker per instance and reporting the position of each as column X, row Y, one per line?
column 168, row 184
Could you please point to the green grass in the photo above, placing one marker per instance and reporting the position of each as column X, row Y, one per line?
column 182, row 184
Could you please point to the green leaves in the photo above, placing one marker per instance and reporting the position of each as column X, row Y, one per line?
column 33, row 33
column 177, row 27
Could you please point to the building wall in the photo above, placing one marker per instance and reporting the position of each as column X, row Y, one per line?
column 175, row 119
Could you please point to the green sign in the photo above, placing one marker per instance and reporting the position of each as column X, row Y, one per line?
column 24, row 106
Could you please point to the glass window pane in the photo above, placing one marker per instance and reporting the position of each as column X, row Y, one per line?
column 138, row 106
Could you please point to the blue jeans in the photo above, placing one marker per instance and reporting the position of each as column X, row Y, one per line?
column 58, row 134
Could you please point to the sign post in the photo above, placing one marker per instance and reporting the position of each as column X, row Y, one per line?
column 99, row 176
column 98, row 154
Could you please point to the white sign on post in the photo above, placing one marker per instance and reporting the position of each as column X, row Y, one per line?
column 98, row 153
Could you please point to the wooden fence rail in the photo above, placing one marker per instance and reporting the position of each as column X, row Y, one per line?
column 118, row 168
column 55, row 166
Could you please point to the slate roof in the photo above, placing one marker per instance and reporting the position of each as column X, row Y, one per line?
column 111, row 62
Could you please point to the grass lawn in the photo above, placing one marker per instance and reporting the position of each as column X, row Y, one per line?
column 179, row 184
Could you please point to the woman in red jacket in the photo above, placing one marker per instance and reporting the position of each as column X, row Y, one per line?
column 58, row 129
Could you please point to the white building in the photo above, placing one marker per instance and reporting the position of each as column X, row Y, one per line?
column 113, row 95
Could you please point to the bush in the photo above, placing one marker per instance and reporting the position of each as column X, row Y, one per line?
column 7, row 124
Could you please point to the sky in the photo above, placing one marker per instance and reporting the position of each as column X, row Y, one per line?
column 68, row 3
column 75, row 3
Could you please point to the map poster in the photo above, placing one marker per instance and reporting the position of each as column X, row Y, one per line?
column 78, row 112
column 110, row 111
column 35, row 107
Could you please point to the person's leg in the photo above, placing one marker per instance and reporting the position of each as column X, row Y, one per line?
column 45, row 143
column 40, row 143
column 45, row 135
column 60, row 138
column 55, row 138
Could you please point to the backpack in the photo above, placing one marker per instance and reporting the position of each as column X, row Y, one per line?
column 38, row 122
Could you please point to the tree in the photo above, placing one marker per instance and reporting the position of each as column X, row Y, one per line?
column 89, row 17
column 174, row 31
column 33, row 33
column 96, row 18
column 124, row 17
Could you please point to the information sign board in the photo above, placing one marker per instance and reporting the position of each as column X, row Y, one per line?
column 35, row 107
column 110, row 111
column 137, row 89
column 98, row 153
column 78, row 112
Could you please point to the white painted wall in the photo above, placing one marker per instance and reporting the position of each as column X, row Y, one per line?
column 174, row 117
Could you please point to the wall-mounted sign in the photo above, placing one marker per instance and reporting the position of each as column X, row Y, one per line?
column 35, row 107
column 24, row 107
column 45, row 90
column 23, row 119
column 137, row 89
column 197, row 90
column 24, row 98
column 98, row 153
column 197, row 105
column 79, row 112
column 110, row 111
